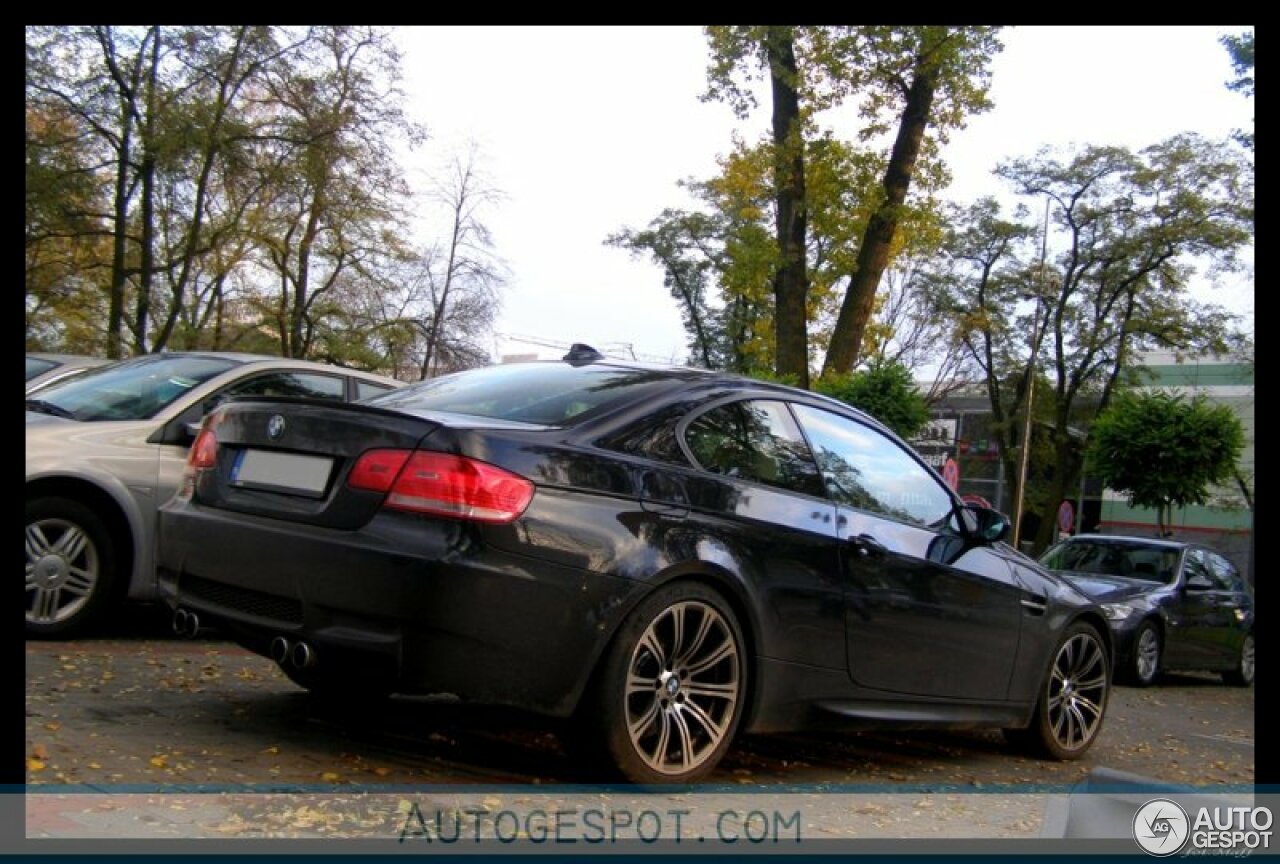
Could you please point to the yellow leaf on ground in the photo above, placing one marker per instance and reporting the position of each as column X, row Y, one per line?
column 35, row 765
column 39, row 752
column 158, row 761
column 330, row 777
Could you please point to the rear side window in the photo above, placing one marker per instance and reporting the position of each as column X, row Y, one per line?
column 548, row 394
column 367, row 389
column 756, row 441
column 291, row 384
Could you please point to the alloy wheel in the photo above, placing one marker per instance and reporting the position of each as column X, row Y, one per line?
column 1077, row 691
column 683, row 684
column 63, row 570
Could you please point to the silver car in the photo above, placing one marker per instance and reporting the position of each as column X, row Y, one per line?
column 106, row 448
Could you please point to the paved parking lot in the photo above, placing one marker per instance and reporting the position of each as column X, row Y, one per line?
column 155, row 710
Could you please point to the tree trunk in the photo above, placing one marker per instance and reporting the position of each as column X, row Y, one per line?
column 119, row 238
column 873, row 253
column 1066, row 477
column 790, row 281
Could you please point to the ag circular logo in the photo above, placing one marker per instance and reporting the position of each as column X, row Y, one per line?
column 275, row 427
column 1161, row 827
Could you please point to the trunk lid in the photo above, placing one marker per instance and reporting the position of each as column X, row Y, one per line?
column 290, row 458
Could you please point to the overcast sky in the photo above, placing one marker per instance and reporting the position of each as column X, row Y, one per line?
column 586, row 130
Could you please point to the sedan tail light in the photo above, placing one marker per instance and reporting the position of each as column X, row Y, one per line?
column 202, row 456
column 443, row 485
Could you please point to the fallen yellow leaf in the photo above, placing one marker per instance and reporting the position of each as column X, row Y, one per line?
column 39, row 752
column 35, row 765
column 158, row 761
column 330, row 777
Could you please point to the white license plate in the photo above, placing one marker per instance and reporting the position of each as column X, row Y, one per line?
column 287, row 472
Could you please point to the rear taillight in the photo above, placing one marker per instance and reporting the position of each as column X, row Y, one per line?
column 202, row 456
column 442, row 484
column 204, row 452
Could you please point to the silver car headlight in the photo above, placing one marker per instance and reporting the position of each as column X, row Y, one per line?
column 1117, row 611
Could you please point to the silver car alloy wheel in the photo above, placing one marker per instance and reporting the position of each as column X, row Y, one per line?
column 683, row 686
column 1077, row 691
column 62, row 570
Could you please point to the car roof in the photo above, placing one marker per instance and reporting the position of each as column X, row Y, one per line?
column 715, row 376
column 245, row 358
column 67, row 358
column 1132, row 538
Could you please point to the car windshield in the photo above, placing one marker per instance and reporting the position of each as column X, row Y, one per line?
column 547, row 394
column 133, row 390
column 1135, row 560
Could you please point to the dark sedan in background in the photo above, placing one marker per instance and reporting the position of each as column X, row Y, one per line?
column 665, row 556
column 1171, row 605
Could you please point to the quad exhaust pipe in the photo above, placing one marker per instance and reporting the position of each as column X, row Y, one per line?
column 299, row 655
column 186, row 623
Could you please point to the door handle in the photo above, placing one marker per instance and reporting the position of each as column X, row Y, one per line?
column 868, row 546
column 1035, row 604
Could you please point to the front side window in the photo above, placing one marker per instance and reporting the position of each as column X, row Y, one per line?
column 1197, row 570
column 865, row 469
column 756, row 441
column 1226, row 572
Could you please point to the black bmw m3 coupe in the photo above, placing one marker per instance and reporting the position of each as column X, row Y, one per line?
column 667, row 556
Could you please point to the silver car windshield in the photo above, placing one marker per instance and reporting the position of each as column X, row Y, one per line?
column 136, row 389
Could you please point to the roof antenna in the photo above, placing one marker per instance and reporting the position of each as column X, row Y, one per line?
column 582, row 355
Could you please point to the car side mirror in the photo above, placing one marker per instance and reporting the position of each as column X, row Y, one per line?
column 1196, row 583
column 984, row 523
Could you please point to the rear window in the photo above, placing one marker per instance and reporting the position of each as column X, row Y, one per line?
column 547, row 394
column 35, row 366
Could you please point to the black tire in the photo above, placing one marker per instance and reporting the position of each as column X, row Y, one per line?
column 668, row 698
column 1073, row 697
column 1242, row 675
column 1147, row 654
column 71, row 567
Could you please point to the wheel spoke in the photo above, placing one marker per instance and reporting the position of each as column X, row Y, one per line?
column 677, row 614
column 1088, row 705
column 727, row 691
column 72, row 542
column 637, row 683
column 1093, row 683
column 46, row 604
column 37, row 543
column 727, row 649
column 686, row 739
column 638, row 727
column 659, row 758
column 650, row 643
column 714, row 730
column 704, row 627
